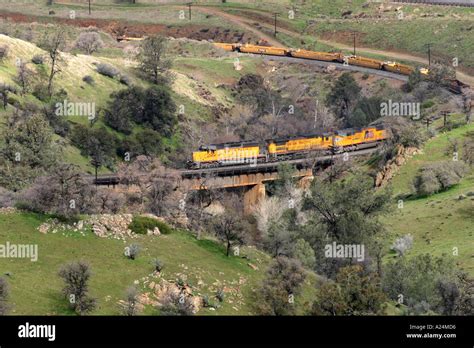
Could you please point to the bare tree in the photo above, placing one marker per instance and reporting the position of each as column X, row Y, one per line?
column 131, row 305
column 24, row 77
column 229, row 226
column 89, row 42
column 76, row 276
column 52, row 44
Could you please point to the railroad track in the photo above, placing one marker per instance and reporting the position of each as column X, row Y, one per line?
column 338, row 66
column 466, row 3
column 113, row 179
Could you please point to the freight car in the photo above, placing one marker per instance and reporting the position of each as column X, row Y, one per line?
column 364, row 62
column 282, row 149
column 272, row 51
column 398, row 68
column 324, row 56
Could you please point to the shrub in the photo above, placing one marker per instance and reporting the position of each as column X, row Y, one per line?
column 141, row 224
column 76, row 276
column 107, row 70
column 89, row 42
column 132, row 251
column 130, row 306
column 176, row 304
column 7, row 198
column 40, row 92
column 3, row 52
column 88, row 79
column 220, row 294
column 37, row 59
column 403, row 244
column 125, row 80
column 158, row 264
column 439, row 176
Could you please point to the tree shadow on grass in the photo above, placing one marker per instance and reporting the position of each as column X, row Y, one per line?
column 467, row 212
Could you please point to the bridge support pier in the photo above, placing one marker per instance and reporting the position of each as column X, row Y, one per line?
column 253, row 196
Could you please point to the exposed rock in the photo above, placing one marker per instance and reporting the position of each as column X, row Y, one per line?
column 8, row 210
column 393, row 165
column 154, row 232
column 252, row 266
column 112, row 226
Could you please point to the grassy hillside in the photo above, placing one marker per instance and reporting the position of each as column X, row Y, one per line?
column 442, row 221
column 202, row 262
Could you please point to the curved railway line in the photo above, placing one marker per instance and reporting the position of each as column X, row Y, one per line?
column 338, row 66
column 466, row 3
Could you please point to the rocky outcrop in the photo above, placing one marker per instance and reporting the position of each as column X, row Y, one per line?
column 392, row 167
column 112, row 225
column 164, row 289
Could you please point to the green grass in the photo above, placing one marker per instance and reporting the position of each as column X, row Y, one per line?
column 36, row 287
column 434, row 150
column 439, row 222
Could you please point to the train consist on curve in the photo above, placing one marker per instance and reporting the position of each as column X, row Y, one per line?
column 283, row 149
column 454, row 86
column 323, row 56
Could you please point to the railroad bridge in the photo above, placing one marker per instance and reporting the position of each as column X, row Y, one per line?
column 252, row 178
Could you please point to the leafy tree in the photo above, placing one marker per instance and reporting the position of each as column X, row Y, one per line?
column 159, row 110
column 122, row 107
column 152, row 107
column 343, row 96
column 152, row 58
column 98, row 143
column 27, row 149
column 58, row 122
column 345, row 212
column 353, row 292
column 303, row 252
column 365, row 112
column 76, row 277
column 251, row 90
column 282, row 283
column 433, row 280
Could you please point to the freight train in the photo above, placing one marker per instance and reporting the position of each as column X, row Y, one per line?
column 323, row 56
column 283, row 149
column 455, row 86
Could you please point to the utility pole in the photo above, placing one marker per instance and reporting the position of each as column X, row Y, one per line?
column 275, row 33
column 189, row 5
column 429, row 54
column 354, row 34
column 89, row 6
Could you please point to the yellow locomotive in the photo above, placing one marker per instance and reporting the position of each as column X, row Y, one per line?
column 252, row 153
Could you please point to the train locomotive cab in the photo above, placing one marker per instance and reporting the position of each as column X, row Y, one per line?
column 227, row 154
